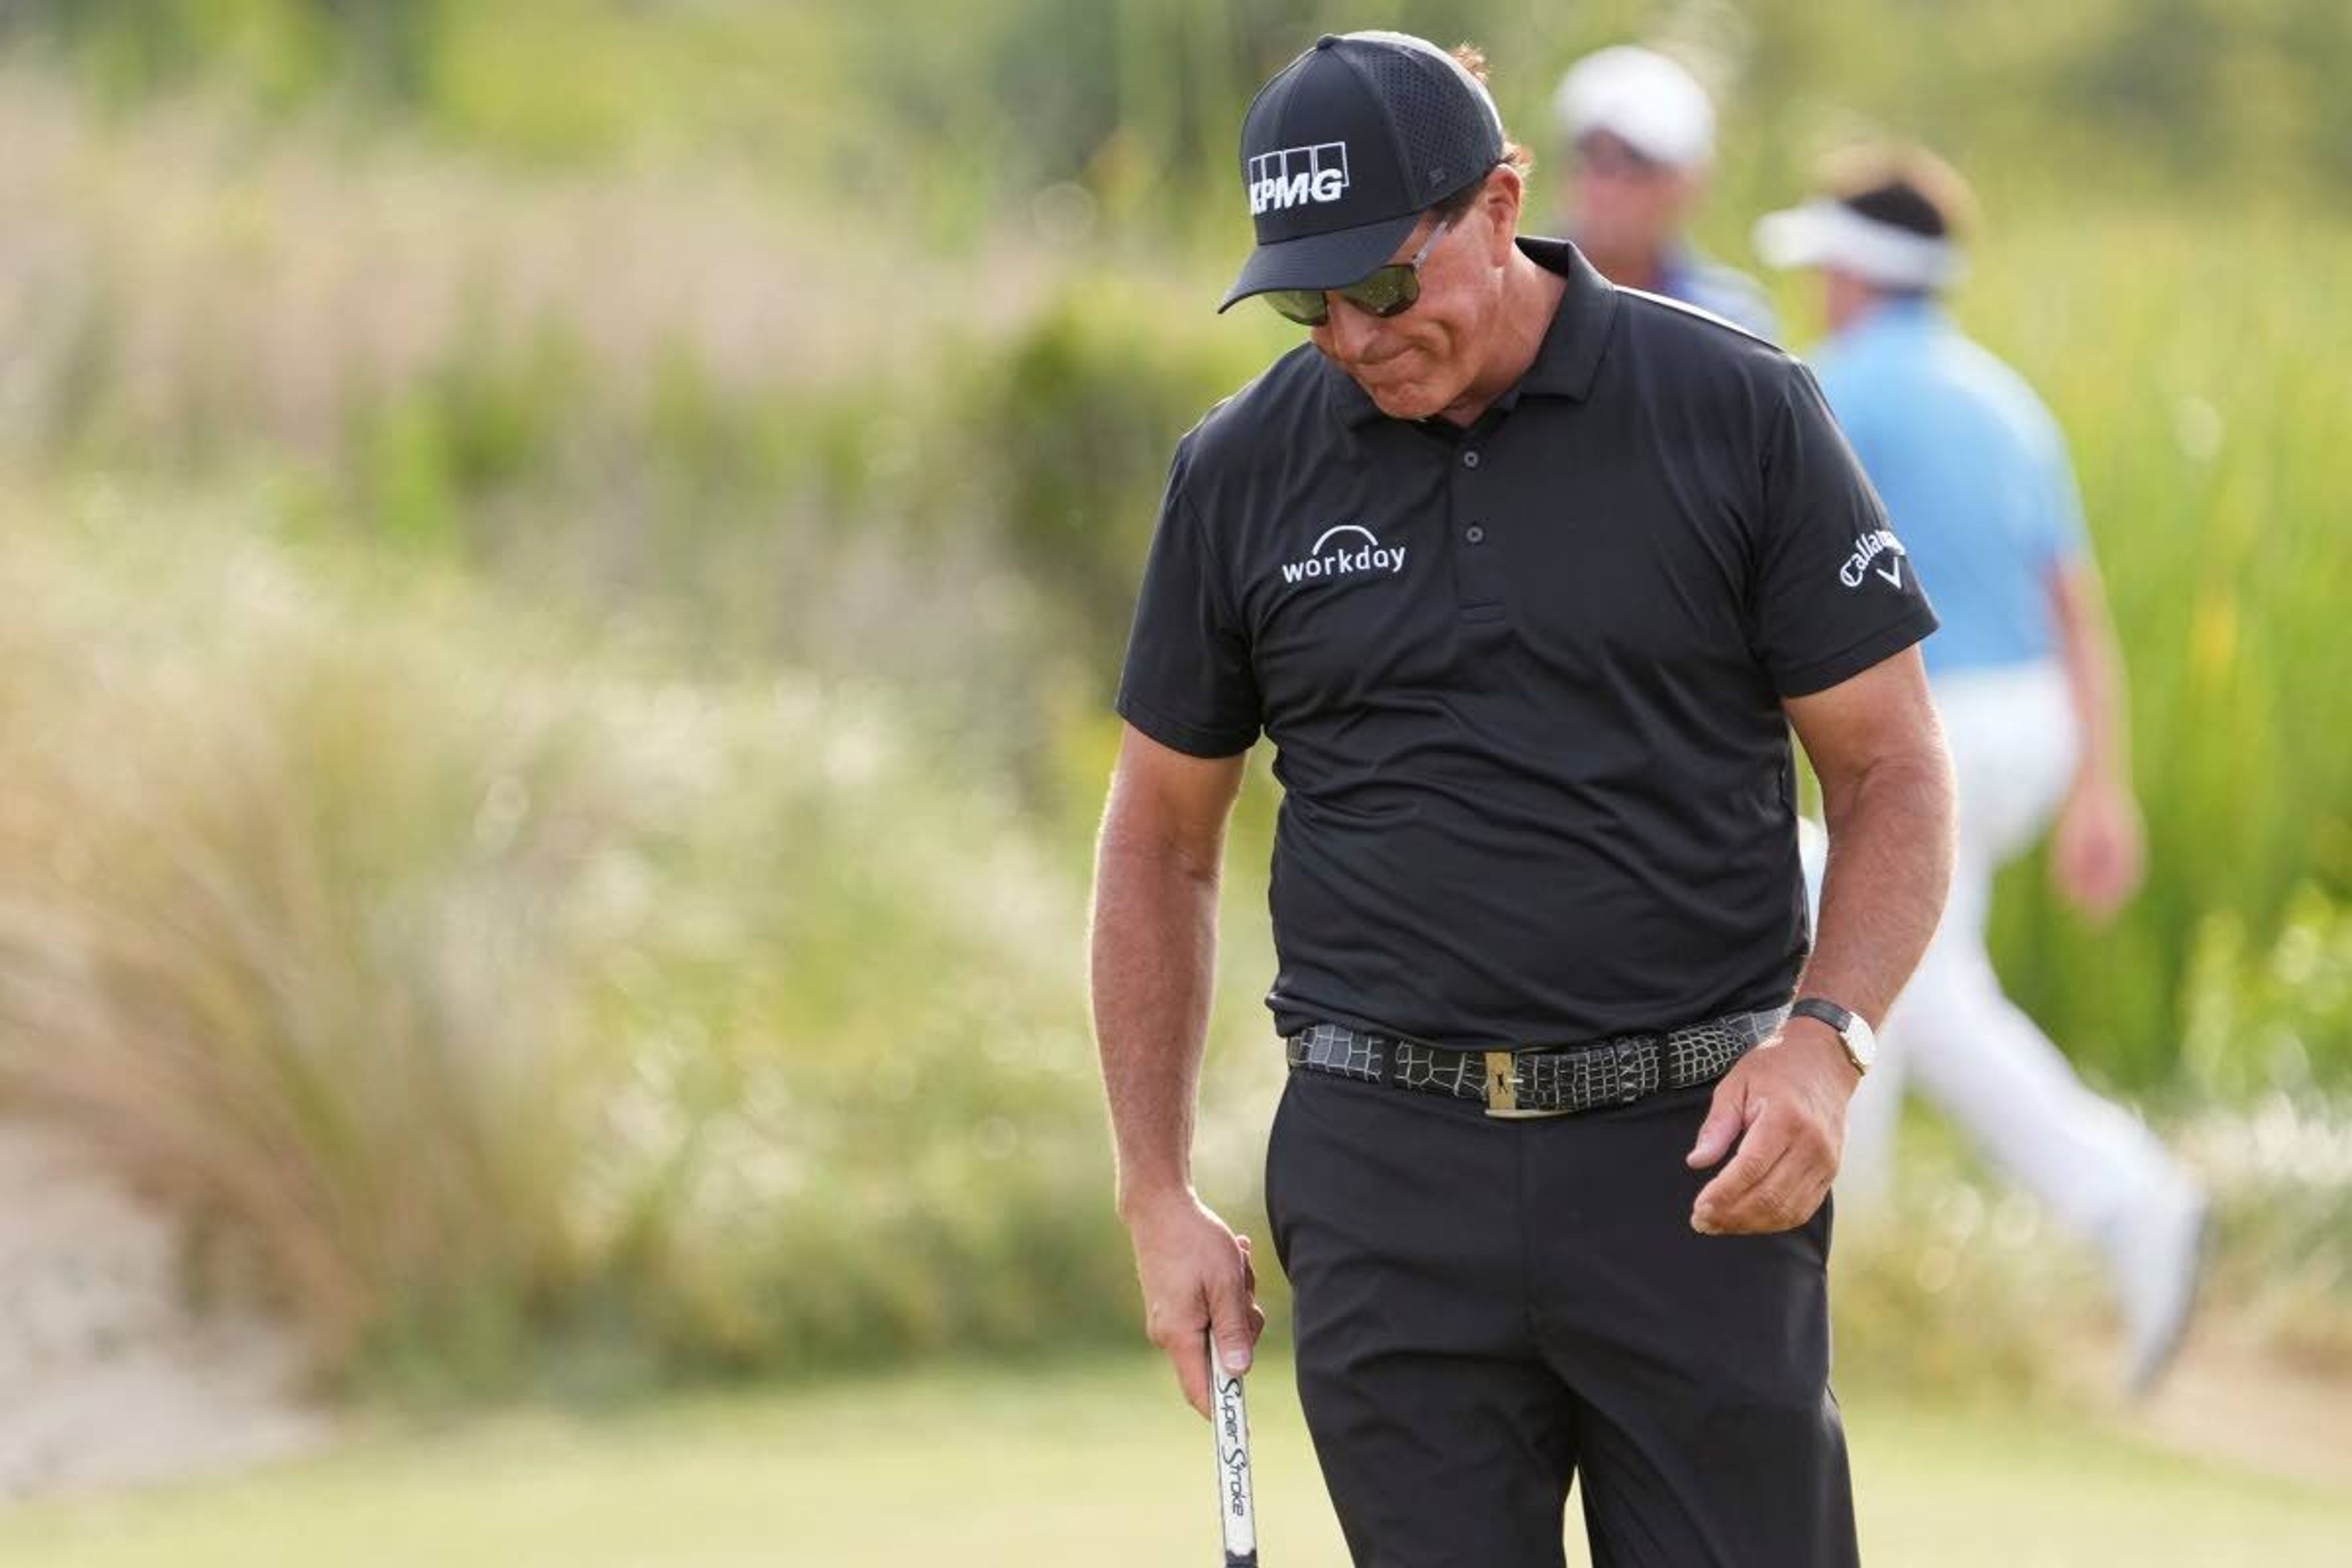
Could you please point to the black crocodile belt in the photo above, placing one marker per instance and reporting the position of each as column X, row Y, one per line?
column 1540, row 1080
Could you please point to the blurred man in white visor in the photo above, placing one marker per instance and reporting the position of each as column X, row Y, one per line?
column 1975, row 475
column 1638, row 133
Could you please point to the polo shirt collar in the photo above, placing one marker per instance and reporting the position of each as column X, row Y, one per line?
column 1579, row 336
column 1565, row 364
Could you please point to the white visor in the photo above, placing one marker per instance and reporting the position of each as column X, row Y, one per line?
column 1648, row 102
column 1831, row 234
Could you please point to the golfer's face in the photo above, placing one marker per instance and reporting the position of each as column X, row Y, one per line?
column 1419, row 361
column 1621, row 201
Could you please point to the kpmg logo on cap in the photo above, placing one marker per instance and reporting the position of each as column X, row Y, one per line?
column 1293, row 176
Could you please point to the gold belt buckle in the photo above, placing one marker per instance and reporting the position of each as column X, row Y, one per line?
column 1503, row 1090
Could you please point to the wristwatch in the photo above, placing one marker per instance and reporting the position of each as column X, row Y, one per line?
column 1854, row 1030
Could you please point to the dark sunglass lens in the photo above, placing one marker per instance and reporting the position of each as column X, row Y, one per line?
column 1388, row 291
column 1303, row 306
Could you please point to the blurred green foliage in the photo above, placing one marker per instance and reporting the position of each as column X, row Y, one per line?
column 1143, row 95
column 1072, row 415
column 533, row 1012
column 2196, row 406
column 2256, row 1018
column 283, row 50
column 424, row 457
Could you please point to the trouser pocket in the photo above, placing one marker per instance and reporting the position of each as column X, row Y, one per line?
column 1272, row 1183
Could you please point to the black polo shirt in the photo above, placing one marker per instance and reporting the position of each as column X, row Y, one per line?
column 1524, row 678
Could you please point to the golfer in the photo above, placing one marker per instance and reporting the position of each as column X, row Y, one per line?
column 1637, row 132
column 1526, row 578
column 2032, row 694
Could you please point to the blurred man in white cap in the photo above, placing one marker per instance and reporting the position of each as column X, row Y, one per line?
column 1974, row 473
column 1639, row 134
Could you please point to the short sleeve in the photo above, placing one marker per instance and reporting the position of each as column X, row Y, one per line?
column 1834, row 592
column 1188, row 683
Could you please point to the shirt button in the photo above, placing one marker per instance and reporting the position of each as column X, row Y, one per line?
column 1470, row 459
column 1475, row 534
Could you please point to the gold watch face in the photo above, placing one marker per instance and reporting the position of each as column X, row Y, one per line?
column 1861, row 1042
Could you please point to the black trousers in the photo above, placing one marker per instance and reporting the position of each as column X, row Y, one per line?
column 1485, row 1311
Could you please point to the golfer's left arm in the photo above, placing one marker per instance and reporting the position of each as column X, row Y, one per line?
column 1886, row 796
column 2099, row 848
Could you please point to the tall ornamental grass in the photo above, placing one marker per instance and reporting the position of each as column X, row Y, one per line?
column 513, row 1000
column 2195, row 366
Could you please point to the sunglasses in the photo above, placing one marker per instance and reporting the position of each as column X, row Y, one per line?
column 1386, row 291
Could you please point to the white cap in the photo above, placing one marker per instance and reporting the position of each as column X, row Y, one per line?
column 1825, row 233
column 1640, row 97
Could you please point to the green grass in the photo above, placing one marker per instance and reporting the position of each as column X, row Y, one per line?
column 980, row 1467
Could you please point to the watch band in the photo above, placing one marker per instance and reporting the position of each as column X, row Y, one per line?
column 1838, row 1018
column 1853, row 1032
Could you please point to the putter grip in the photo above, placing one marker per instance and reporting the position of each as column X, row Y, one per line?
column 1229, row 1424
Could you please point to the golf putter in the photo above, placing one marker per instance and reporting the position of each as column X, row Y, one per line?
column 1229, row 1424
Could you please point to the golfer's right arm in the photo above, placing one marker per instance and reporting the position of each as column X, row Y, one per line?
column 1154, row 961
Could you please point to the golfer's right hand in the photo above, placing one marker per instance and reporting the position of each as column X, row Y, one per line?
column 1197, row 1280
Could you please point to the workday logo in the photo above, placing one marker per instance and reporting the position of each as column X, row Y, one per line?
column 1293, row 176
column 1343, row 552
column 1867, row 548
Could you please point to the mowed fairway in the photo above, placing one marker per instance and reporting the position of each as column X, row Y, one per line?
column 979, row 1469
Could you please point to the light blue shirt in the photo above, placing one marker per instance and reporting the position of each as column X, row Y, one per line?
column 1974, row 473
column 1718, row 290
column 1686, row 275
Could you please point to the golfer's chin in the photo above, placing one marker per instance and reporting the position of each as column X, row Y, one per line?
column 1413, row 399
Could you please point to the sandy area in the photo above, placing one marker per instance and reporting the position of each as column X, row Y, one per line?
column 107, row 1377
column 2229, row 1403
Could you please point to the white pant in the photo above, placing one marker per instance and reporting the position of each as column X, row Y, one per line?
column 1953, row 1034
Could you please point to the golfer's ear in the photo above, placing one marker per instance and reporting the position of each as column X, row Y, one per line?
column 1504, row 193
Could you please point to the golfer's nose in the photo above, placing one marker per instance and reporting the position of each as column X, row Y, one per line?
column 1352, row 330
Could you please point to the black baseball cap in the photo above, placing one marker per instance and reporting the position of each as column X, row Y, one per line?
column 1347, row 146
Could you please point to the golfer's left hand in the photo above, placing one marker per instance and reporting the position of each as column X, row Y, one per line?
column 2098, row 850
column 1784, row 1106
